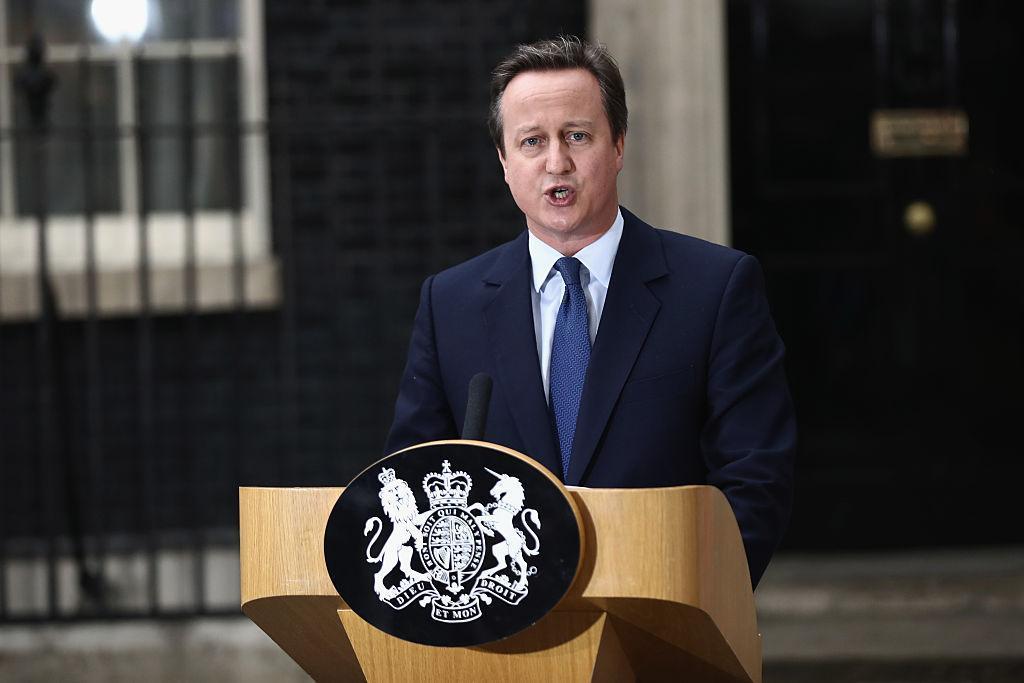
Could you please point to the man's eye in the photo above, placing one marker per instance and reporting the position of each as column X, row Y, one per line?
column 531, row 142
column 577, row 136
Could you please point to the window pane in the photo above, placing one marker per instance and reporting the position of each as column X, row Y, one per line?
column 216, row 173
column 216, row 88
column 70, row 21
column 208, row 89
column 58, row 21
column 217, row 166
column 185, row 19
column 161, row 88
column 161, row 91
column 162, row 164
column 80, row 160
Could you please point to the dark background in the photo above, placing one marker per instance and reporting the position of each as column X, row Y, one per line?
column 905, row 352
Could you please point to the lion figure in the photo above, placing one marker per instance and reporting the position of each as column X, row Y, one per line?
column 400, row 506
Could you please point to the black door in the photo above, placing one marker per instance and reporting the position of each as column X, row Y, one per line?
column 897, row 281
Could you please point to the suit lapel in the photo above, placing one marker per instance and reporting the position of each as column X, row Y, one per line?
column 629, row 311
column 508, row 317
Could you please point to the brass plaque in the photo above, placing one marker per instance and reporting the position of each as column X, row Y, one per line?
column 919, row 132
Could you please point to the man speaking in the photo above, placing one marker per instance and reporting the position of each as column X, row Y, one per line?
column 622, row 355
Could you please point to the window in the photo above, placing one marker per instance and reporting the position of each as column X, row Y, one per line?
column 153, row 160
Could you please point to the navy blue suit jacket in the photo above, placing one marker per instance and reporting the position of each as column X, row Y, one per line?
column 685, row 383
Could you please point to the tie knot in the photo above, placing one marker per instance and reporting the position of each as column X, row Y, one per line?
column 569, row 268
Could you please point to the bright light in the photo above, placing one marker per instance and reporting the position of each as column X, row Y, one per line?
column 120, row 19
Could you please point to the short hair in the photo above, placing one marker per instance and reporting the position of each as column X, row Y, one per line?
column 564, row 52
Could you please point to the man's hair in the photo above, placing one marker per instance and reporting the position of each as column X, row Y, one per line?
column 564, row 52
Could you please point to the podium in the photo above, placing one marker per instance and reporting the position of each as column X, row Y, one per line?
column 663, row 594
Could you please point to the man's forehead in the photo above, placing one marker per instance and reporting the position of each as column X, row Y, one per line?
column 552, row 82
column 571, row 96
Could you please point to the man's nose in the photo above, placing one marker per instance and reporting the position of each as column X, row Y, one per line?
column 559, row 161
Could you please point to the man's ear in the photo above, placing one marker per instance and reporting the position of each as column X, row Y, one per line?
column 503, row 162
column 620, row 151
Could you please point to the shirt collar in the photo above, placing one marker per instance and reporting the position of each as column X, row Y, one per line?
column 597, row 257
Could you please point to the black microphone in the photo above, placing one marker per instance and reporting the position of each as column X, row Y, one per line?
column 476, row 407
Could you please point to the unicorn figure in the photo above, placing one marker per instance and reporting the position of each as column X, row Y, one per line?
column 499, row 516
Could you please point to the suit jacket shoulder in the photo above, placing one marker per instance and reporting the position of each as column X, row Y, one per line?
column 691, row 259
column 491, row 266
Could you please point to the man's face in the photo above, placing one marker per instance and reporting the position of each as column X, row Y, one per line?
column 560, row 159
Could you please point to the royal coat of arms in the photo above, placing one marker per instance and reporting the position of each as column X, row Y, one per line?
column 441, row 553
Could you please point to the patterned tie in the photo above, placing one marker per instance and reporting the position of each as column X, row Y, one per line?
column 570, row 355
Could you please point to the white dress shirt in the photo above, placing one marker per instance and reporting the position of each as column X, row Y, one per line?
column 548, row 288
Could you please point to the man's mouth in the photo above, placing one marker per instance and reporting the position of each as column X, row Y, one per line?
column 561, row 195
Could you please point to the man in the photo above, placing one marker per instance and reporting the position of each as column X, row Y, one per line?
column 622, row 355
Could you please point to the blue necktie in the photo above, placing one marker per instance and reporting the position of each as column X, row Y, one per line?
column 570, row 355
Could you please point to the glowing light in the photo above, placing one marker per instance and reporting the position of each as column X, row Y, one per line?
column 120, row 19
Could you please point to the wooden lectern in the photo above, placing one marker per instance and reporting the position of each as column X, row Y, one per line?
column 663, row 594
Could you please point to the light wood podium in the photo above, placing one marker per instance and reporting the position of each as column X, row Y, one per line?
column 663, row 594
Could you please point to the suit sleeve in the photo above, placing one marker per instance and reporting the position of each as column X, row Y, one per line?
column 422, row 411
column 749, row 439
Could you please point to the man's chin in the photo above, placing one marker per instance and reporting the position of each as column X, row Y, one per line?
column 561, row 220
column 549, row 230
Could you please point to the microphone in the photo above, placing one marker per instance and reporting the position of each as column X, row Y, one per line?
column 476, row 407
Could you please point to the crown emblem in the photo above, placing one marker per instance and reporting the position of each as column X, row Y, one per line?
column 447, row 488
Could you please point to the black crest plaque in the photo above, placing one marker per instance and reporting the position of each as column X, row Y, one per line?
column 453, row 543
